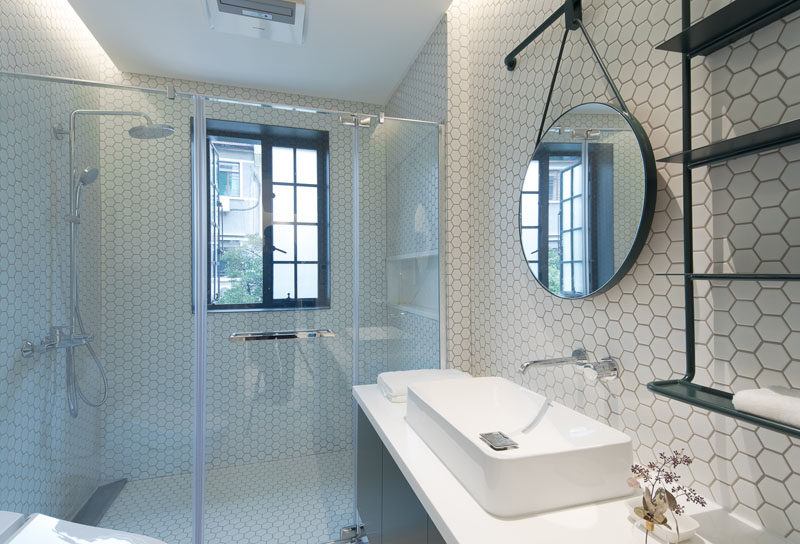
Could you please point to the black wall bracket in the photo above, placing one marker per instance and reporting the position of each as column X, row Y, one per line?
column 572, row 10
column 573, row 13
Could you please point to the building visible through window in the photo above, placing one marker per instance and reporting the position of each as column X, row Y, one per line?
column 229, row 175
column 268, row 217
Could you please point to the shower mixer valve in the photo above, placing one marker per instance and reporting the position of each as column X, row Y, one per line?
column 58, row 338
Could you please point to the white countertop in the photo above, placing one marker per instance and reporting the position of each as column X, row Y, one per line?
column 461, row 520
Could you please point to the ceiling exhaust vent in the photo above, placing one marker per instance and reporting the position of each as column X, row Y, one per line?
column 277, row 20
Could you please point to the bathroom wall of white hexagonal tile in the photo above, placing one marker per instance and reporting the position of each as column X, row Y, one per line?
column 279, row 414
column 746, row 220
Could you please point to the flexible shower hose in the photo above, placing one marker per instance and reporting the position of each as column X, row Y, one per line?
column 74, row 390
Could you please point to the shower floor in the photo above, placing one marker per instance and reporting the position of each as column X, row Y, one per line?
column 305, row 500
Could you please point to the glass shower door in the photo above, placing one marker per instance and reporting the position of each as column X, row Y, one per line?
column 122, row 456
column 323, row 253
column 278, row 454
column 399, row 248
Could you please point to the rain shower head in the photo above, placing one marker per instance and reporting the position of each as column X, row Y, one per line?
column 151, row 131
column 88, row 176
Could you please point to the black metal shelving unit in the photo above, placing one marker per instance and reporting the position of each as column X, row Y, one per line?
column 734, row 21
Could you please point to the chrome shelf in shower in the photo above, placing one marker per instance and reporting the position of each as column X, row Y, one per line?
column 280, row 335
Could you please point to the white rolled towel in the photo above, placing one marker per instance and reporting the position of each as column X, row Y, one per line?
column 774, row 402
column 394, row 385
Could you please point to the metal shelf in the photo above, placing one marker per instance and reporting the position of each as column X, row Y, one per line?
column 747, row 144
column 725, row 26
column 733, row 276
column 746, row 277
column 716, row 401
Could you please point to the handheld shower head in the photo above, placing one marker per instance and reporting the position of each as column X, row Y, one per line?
column 88, row 176
column 150, row 131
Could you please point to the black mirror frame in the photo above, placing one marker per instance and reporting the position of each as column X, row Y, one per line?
column 648, row 205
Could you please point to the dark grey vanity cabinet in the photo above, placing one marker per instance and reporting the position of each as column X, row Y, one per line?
column 389, row 509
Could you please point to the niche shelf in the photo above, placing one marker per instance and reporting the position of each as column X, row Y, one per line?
column 722, row 28
column 413, row 283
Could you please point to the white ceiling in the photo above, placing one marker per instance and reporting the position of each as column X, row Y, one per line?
column 354, row 49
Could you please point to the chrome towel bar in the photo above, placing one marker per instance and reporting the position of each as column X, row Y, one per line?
column 280, row 335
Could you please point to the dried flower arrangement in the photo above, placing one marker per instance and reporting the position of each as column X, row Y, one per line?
column 654, row 478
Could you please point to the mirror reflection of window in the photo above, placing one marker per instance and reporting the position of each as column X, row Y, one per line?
column 578, row 171
column 587, row 200
column 571, row 229
column 529, row 218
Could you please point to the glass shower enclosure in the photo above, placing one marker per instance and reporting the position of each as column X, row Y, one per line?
column 310, row 241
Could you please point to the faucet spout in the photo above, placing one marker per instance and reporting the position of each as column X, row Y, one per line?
column 578, row 357
column 605, row 369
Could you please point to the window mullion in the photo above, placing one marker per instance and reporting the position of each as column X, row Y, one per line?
column 294, row 193
column 267, row 202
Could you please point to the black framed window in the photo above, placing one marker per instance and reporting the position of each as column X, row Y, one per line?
column 268, row 217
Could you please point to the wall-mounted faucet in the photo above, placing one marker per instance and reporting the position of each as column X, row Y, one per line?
column 606, row 369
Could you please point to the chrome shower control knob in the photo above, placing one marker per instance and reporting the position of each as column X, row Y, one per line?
column 28, row 349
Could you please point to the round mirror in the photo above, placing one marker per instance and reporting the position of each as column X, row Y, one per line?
column 587, row 200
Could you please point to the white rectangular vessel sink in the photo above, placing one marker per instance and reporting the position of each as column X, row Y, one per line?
column 564, row 458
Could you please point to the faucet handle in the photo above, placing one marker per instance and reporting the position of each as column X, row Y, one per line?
column 607, row 369
column 56, row 334
column 579, row 353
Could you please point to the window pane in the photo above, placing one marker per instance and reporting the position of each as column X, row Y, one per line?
column 283, row 281
column 577, row 212
column 307, row 204
column 553, row 187
column 530, row 244
column 307, row 243
column 283, row 240
column 566, row 278
column 283, row 203
column 566, row 246
column 241, row 266
column 529, row 214
column 307, row 166
column 577, row 180
column 228, row 180
column 566, row 215
column 577, row 244
column 307, row 286
column 566, row 184
column 578, row 274
column 531, row 182
column 553, row 215
column 283, row 165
